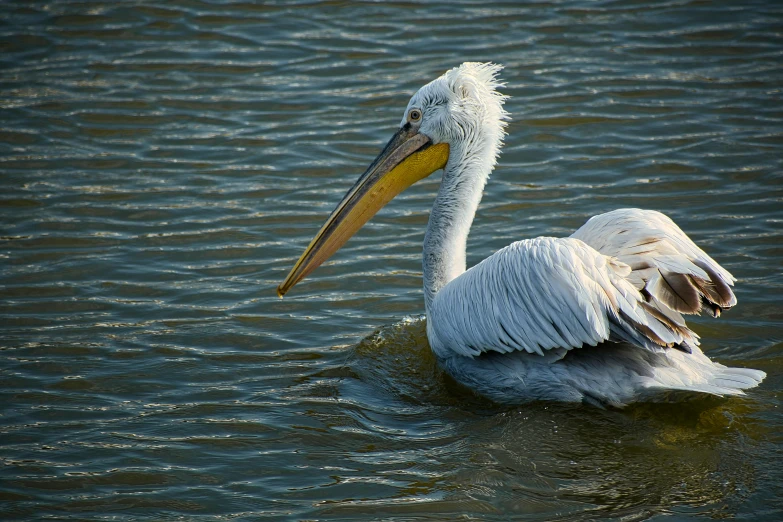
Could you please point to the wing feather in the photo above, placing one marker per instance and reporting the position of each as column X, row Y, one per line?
column 627, row 275
column 546, row 294
column 675, row 274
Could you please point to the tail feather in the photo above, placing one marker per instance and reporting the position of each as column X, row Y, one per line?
column 738, row 378
column 707, row 377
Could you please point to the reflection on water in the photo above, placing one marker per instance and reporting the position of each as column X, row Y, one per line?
column 162, row 166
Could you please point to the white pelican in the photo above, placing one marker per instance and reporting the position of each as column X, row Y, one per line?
column 594, row 317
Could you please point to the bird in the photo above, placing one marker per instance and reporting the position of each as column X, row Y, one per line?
column 596, row 317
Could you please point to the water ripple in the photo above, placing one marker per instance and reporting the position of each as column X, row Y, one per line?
column 163, row 165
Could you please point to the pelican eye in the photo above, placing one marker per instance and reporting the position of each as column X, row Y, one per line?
column 414, row 115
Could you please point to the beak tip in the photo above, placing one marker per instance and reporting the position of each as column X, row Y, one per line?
column 280, row 291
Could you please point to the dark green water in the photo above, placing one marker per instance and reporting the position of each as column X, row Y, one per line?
column 163, row 165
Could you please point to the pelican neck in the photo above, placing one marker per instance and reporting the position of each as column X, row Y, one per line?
column 450, row 220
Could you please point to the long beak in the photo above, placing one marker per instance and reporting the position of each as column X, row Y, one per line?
column 407, row 158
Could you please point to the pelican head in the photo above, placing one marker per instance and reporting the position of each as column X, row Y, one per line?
column 454, row 122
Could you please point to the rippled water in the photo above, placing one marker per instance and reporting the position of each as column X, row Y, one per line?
column 163, row 165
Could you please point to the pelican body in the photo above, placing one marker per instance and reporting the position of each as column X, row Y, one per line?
column 596, row 317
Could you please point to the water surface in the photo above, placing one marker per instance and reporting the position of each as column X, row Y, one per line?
column 162, row 165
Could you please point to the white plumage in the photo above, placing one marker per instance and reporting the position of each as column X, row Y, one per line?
column 596, row 317
column 538, row 300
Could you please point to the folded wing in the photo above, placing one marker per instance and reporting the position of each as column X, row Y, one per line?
column 674, row 274
column 547, row 296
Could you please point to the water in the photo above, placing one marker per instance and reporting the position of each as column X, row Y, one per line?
column 164, row 164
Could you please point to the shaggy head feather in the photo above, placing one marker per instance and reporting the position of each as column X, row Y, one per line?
column 464, row 109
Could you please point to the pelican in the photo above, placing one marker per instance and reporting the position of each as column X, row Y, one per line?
column 595, row 317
